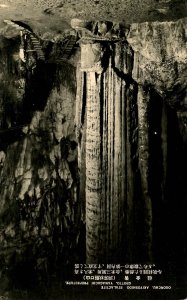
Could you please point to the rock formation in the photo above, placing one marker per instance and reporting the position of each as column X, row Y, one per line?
column 93, row 144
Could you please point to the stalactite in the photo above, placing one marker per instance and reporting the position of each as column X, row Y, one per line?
column 117, row 163
column 113, row 140
column 143, row 142
column 110, row 153
column 131, row 165
column 112, row 160
column 80, row 123
column 79, row 101
column 123, row 154
column 94, row 225
column 128, row 142
column 117, row 166
column 136, row 67
column 109, row 124
column 105, row 213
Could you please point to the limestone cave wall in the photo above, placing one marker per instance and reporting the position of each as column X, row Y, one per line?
column 40, row 210
column 93, row 154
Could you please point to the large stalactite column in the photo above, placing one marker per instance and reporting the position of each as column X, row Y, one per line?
column 102, row 97
column 106, row 113
column 95, row 228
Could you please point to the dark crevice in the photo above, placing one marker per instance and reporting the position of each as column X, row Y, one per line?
column 37, row 91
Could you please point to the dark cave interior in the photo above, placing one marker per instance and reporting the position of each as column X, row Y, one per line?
column 43, row 230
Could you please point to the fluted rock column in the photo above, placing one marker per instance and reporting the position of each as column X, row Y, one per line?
column 105, row 128
column 143, row 143
column 95, row 219
column 91, row 55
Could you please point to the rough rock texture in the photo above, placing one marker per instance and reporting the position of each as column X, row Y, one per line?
column 161, row 60
column 150, row 82
column 162, row 50
column 54, row 16
column 39, row 209
column 112, row 10
column 129, row 108
column 105, row 137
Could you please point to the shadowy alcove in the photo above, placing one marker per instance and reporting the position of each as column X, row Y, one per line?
column 167, row 186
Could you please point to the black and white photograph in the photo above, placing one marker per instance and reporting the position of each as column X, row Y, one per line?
column 93, row 149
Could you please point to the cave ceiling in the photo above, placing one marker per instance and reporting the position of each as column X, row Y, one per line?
column 51, row 19
column 54, row 16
